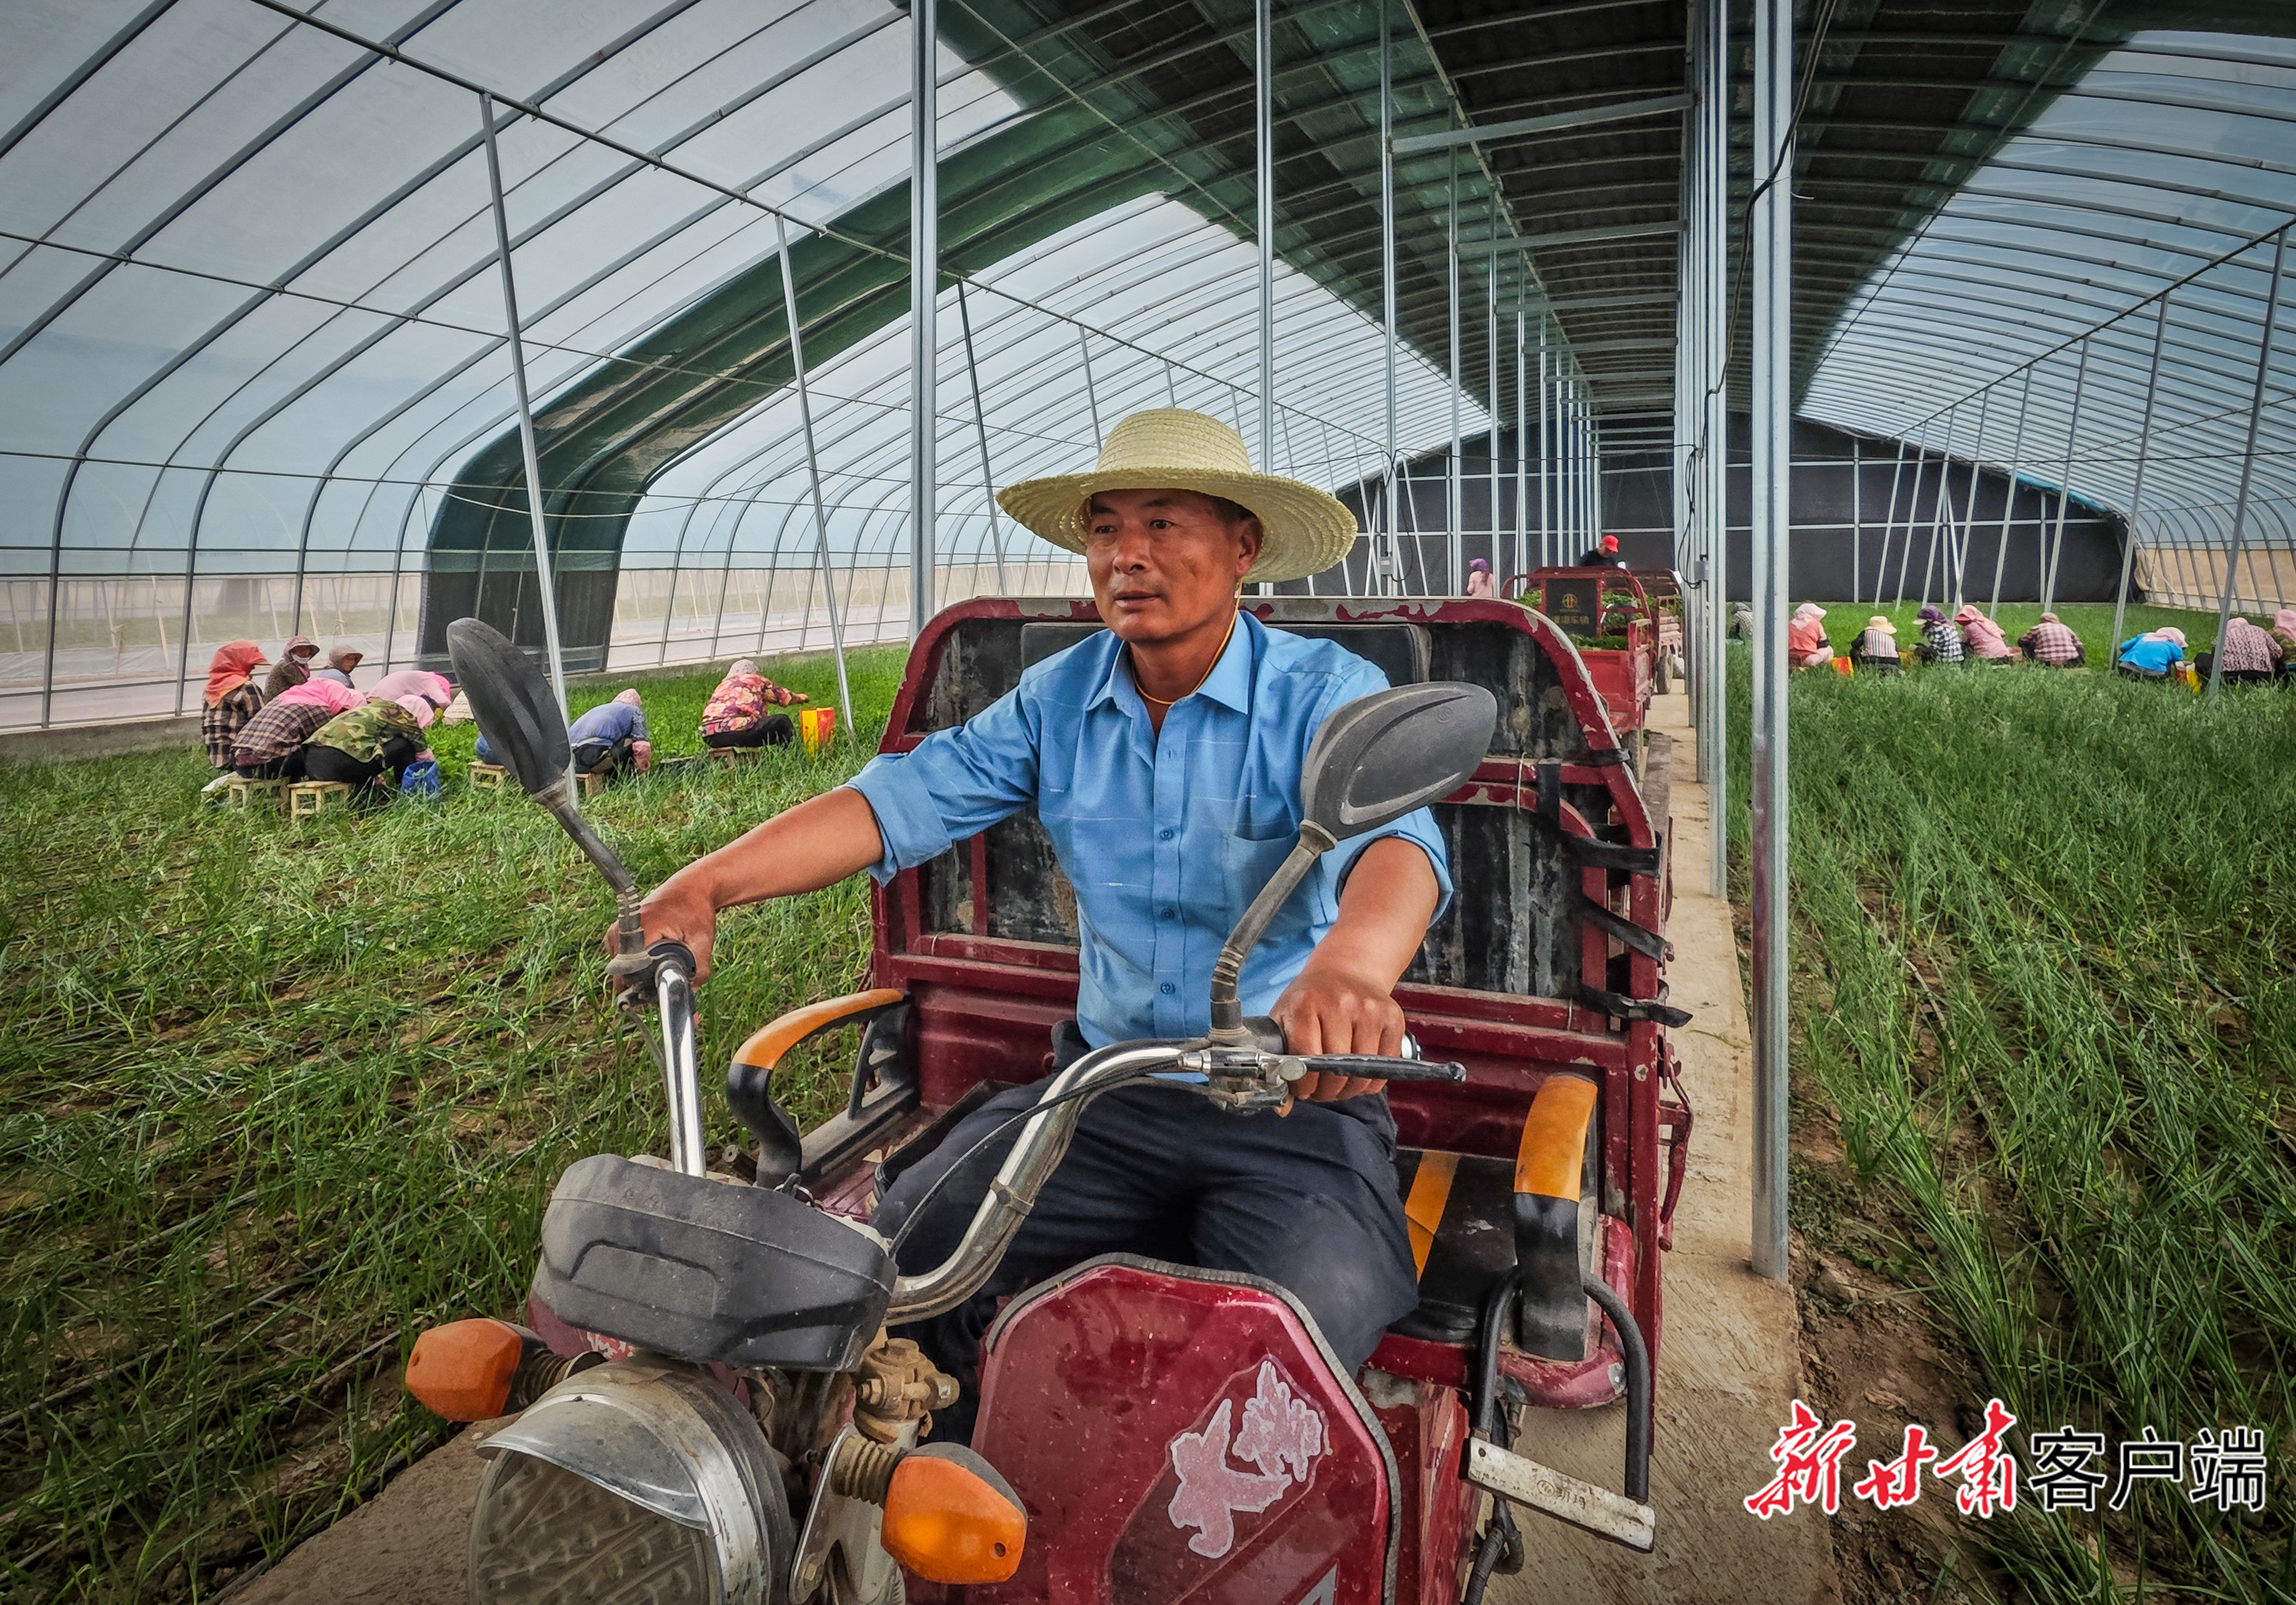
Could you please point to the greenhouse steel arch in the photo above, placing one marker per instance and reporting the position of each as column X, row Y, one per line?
column 260, row 375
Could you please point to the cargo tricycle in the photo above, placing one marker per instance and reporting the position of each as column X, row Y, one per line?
column 709, row 1399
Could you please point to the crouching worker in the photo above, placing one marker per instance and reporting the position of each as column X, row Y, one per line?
column 2155, row 655
column 1986, row 641
column 231, row 699
column 293, row 667
column 1163, row 758
column 357, row 747
column 2050, row 641
column 735, row 714
column 609, row 739
column 1940, row 640
column 1876, row 646
column 270, row 745
column 1806, row 646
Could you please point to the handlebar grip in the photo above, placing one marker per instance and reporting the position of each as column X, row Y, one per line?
column 670, row 953
column 1375, row 1068
column 636, row 977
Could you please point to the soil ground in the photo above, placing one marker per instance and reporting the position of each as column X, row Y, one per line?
column 1730, row 1358
column 1734, row 1360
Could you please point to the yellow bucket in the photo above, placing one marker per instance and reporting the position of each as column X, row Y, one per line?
column 816, row 726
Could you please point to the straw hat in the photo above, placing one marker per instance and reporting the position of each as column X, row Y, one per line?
column 1880, row 622
column 1172, row 448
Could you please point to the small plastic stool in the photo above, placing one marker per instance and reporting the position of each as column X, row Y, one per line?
column 306, row 798
column 243, row 793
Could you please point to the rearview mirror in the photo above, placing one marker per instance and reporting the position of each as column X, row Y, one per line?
column 515, row 709
column 1375, row 759
column 1381, row 757
column 524, row 728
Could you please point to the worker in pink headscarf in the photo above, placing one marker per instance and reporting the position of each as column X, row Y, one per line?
column 433, row 689
column 1986, row 641
column 1806, row 646
column 2283, row 625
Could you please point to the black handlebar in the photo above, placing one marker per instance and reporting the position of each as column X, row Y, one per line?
column 1375, row 1068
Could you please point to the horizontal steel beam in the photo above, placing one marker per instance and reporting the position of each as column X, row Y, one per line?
column 1415, row 144
column 1471, row 249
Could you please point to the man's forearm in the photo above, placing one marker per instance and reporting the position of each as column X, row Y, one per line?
column 815, row 844
column 1389, row 895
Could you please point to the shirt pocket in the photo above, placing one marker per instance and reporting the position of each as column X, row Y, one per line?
column 1259, row 835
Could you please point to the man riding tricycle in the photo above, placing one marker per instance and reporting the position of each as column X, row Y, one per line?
column 1154, row 1254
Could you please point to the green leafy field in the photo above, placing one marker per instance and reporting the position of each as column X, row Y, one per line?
column 279, row 1095
column 2045, row 973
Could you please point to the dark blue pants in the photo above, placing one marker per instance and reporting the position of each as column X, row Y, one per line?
column 1306, row 1201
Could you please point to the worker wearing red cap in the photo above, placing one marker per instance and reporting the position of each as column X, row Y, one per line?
column 1603, row 556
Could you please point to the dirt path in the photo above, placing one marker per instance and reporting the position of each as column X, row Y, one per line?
column 1730, row 1359
column 1731, row 1364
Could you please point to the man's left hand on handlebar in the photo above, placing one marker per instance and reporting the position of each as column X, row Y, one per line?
column 1343, row 1001
column 1329, row 1011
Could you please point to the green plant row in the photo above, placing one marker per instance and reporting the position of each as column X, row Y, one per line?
column 278, row 1095
column 2045, row 936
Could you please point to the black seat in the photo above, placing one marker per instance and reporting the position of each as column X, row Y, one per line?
column 1467, row 1203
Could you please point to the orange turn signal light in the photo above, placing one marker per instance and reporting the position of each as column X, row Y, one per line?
column 464, row 1370
column 949, row 1518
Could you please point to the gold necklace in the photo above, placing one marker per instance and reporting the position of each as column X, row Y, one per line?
column 1199, row 685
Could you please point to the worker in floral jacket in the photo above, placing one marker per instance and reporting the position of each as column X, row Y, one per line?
column 736, row 716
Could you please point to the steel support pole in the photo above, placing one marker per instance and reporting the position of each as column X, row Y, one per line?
column 1969, row 514
column 1888, row 519
column 1771, row 224
column 1091, row 391
column 1521, row 448
column 1491, row 377
column 2248, row 461
column 544, row 579
column 2009, row 502
column 2136, row 491
column 1452, row 546
column 1714, row 156
column 925, row 289
column 1388, row 567
column 1263, row 68
column 1857, row 516
column 1545, row 451
column 1913, row 515
column 812, row 474
column 2055, row 548
column 980, row 426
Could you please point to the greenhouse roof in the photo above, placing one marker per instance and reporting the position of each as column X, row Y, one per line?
column 250, row 325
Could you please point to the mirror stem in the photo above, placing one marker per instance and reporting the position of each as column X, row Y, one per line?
column 1227, row 1013
column 558, row 799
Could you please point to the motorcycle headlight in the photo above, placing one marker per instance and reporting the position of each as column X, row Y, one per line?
column 631, row 1482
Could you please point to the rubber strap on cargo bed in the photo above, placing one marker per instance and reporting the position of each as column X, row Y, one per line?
column 1618, row 1006
column 1589, row 852
column 1648, row 943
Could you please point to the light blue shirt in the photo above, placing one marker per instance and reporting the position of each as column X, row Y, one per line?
column 2151, row 654
column 1166, row 840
